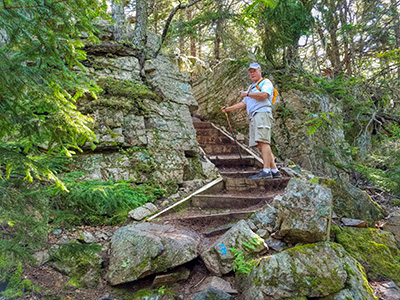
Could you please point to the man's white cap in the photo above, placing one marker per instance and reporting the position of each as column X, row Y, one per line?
column 254, row 66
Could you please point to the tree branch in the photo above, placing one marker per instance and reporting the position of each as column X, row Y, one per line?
column 30, row 6
column 169, row 20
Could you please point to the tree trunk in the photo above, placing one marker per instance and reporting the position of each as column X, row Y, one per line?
column 396, row 30
column 121, row 27
column 189, row 12
column 218, row 31
column 141, row 27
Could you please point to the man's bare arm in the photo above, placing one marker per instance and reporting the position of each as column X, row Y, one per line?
column 261, row 96
column 236, row 106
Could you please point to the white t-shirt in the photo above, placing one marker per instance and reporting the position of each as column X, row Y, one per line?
column 253, row 105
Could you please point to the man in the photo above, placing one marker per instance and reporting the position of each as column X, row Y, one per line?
column 258, row 102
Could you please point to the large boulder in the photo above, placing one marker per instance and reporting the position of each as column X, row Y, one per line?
column 351, row 202
column 219, row 258
column 304, row 212
column 312, row 271
column 375, row 249
column 143, row 249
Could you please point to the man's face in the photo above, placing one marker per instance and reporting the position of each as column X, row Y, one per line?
column 255, row 74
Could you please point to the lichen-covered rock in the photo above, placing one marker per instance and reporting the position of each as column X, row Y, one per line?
column 83, row 268
column 144, row 249
column 375, row 249
column 304, row 212
column 312, row 271
column 351, row 202
column 212, row 293
column 218, row 257
column 265, row 219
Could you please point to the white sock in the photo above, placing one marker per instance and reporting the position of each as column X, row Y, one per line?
column 274, row 171
column 266, row 170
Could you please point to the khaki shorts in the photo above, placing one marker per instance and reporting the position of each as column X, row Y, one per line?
column 260, row 128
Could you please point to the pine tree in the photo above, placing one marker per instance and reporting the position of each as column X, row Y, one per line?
column 42, row 77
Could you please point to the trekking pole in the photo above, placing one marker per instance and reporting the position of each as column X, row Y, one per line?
column 234, row 138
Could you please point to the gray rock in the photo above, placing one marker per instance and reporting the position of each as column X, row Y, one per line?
column 220, row 260
column 144, row 249
column 304, row 213
column 41, row 257
column 265, row 219
column 179, row 274
column 351, row 202
column 87, row 237
column 217, row 283
column 212, row 293
column 275, row 244
column 143, row 211
column 393, row 225
column 83, row 268
column 312, row 271
column 387, row 290
column 353, row 222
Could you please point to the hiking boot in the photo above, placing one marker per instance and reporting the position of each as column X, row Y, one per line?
column 276, row 174
column 262, row 175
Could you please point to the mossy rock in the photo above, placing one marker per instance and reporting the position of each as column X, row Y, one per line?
column 351, row 202
column 122, row 95
column 375, row 249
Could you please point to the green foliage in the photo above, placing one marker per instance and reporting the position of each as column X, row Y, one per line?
column 242, row 263
column 97, row 202
column 318, row 120
column 39, row 87
column 11, row 284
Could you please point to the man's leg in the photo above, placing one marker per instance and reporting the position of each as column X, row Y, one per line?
column 268, row 158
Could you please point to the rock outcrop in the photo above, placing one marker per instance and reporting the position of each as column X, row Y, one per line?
column 351, row 202
column 312, row 271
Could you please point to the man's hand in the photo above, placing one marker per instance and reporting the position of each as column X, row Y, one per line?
column 243, row 94
column 223, row 108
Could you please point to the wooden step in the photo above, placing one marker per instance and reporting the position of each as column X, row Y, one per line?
column 225, row 201
column 232, row 160
column 245, row 184
column 218, row 218
column 208, row 132
column 218, row 149
column 198, row 125
column 204, row 140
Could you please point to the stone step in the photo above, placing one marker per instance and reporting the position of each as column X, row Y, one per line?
column 198, row 125
column 232, row 160
column 245, row 184
column 204, row 140
column 225, row 201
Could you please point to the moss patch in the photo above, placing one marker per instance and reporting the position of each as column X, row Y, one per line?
column 122, row 95
column 375, row 249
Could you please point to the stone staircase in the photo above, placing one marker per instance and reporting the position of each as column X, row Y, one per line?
column 236, row 197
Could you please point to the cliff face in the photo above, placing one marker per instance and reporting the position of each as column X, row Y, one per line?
column 142, row 119
column 220, row 86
